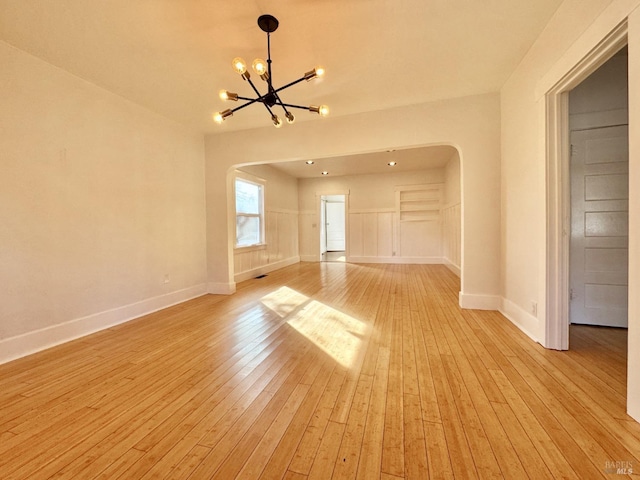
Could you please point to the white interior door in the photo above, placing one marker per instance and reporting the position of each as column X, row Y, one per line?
column 335, row 226
column 599, row 226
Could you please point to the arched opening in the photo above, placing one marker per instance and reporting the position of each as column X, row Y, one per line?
column 401, row 206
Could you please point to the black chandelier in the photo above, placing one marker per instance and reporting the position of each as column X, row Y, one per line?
column 268, row 24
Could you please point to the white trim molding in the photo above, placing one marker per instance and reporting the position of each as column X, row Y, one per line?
column 31, row 342
column 479, row 302
column 397, row 260
column 520, row 318
column 270, row 267
column 451, row 266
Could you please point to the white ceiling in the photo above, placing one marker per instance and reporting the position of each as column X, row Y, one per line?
column 173, row 56
column 407, row 160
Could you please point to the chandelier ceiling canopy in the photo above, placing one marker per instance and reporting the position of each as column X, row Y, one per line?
column 271, row 98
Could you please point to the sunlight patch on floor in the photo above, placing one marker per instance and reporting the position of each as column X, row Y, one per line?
column 337, row 334
column 284, row 301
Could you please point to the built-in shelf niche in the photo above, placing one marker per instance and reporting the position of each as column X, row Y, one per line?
column 419, row 203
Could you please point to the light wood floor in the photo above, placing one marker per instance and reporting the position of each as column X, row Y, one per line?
column 321, row 371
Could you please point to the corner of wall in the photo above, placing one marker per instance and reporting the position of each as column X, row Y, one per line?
column 219, row 288
column 479, row 302
column 522, row 319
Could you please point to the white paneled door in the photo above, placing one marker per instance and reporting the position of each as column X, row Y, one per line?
column 335, row 226
column 599, row 226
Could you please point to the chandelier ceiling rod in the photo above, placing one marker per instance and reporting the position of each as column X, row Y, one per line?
column 268, row 24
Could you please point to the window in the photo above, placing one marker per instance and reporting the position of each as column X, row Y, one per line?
column 249, row 213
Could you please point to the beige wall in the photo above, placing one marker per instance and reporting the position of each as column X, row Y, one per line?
column 281, row 225
column 101, row 202
column 576, row 28
column 471, row 124
column 367, row 192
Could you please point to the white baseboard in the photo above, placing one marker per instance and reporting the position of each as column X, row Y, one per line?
column 221, row 288
column 451, row 266
column 242, row 276
column 309, row 258
column 397, row 260
column 479, row 302
column 38, row 340
column 520, row 318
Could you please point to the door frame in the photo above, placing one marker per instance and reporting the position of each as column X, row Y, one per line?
column 557, row 180
column 326, row 218
column 319, row 196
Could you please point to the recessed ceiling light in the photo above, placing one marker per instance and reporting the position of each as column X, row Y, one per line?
column 325, row 173
column 310, row 162
column 392, row 164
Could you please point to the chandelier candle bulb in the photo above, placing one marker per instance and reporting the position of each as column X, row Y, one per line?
column 259, row 66
column 219, row 117
column 224, row 95
column 290, row 117
column 239, row 65
column 277, row 121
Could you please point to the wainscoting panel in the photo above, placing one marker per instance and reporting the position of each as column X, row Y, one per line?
column 377, row 237
column 385, row 234
column 451, row 235
column 309, row 237
column 281, row 235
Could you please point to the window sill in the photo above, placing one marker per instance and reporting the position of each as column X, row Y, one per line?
column 250, row 248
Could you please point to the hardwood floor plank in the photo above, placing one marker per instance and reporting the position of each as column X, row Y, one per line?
column 320, row 371
column 370, row 461
column 393, row 440
column 254, row 465
column 503, row 451
column 346, row 463
column 544, row 445
column 438, row 456
column 313, row 435
column 416, row 463
column 483, row 455
column 189, row 462
column 287, row 445
column 324, row 463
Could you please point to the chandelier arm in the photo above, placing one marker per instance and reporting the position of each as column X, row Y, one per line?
column 255, row 89
column 295, row 106
column 289, row 85
column 261, row 97
column 250, row 101
column 283, row 105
